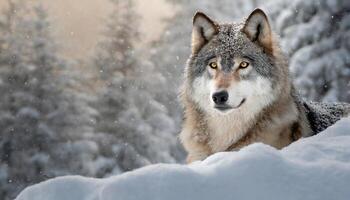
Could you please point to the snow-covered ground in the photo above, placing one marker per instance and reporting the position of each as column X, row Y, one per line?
column 313, row 168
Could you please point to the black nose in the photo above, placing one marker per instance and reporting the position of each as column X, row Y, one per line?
column 220, row 98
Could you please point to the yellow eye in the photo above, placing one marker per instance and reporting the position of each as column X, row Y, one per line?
column 213, row 65
column 243, row 64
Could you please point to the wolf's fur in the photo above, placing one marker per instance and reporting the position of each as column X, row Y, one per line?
column 265, row 106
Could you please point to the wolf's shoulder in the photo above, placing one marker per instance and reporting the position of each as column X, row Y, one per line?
column 322, row 115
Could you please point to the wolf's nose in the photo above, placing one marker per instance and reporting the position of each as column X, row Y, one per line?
column 220, row 98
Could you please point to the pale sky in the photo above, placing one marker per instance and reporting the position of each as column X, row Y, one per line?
column 77, row 23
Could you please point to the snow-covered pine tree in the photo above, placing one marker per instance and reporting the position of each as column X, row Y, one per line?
column 141, row 129
column 315, row 35
column 28, row 91
column 38, row 115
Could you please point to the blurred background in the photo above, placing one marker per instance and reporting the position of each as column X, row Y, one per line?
column 90, row 87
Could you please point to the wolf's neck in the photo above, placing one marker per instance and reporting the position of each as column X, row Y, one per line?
column 226, row 130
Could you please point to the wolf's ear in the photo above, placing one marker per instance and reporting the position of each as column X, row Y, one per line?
column 257, row 28
column 203, row 30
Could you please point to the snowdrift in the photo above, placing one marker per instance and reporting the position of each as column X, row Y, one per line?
column 313, row 168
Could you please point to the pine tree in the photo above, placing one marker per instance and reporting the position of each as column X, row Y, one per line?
column 314, row 35
column 120, row 33
column 26, row 103
column 116, row 62
column 128, row 111
column 37, row 112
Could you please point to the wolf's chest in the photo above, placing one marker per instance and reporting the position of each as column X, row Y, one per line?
column 226, row 130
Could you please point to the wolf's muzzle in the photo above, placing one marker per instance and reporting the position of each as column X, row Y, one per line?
column 225, row 107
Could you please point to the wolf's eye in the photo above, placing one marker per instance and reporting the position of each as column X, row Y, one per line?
column 243, row 64
column 213, row 65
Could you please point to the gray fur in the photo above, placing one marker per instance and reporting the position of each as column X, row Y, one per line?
column 323, row 115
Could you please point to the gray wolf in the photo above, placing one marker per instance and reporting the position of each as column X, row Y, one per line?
column 238, row 90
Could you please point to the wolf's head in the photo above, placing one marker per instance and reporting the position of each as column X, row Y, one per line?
column 234, row 65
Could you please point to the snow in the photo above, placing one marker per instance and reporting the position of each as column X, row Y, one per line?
column 317, row 168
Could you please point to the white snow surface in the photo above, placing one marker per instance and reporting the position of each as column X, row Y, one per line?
column 317, row 168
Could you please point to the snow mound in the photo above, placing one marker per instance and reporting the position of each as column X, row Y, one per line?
column 312, row 168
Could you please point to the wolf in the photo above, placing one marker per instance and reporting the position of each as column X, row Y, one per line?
column 238, row 90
